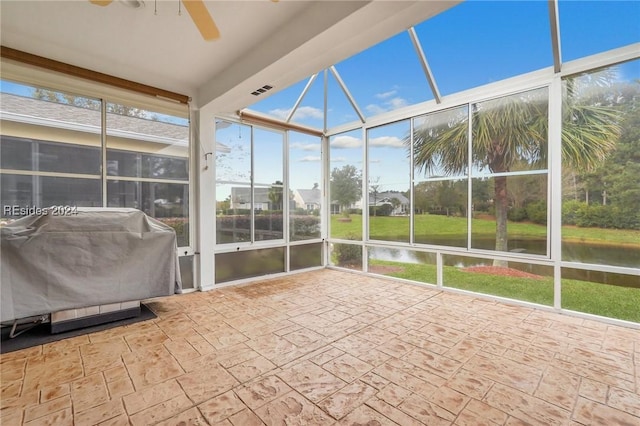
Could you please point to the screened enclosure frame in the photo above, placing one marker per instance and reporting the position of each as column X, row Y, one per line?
column 286, row 243
column 552, row 82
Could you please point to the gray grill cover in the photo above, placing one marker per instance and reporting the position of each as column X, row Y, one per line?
column 99, row 256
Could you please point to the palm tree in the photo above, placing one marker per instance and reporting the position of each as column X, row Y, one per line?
column 275, row 196
column 508, row 134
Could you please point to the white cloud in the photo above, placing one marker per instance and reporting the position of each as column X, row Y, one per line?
column 280, row 112
column 375, row 161
column 389, row 141
column 388, row 105
column 344, row 142
column 338, row 159
column 305, row 146
column 301, row 113
column 386, row 95
column 396, row 103
column 309, row 112
column 310, row 159
column 375, row 109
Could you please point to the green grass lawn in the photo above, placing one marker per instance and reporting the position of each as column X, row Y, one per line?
column 396, row 228
column 583, row 296
column 595, row 298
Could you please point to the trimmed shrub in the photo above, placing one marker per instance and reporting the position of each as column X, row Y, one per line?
column 599, row 216
column 383, row 210
column 517, row 214
column 305, row 226
column 348, row 254
column 570, row 212
column 537, row 212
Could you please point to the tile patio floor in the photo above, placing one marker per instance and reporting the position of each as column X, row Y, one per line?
column 330, row 347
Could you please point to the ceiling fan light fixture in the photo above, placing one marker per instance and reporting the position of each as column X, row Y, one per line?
column 196, row 8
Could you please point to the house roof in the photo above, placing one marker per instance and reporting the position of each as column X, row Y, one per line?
column 310, row 196
column 242, row 194
column 388, row 195
column 53, row 114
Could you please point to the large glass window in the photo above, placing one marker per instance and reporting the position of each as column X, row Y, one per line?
column 269, row 198
column 49, row 148
column 440, row 189
column 389, row 182
column 148, row 165
column 601, row 165
column 250, row 190
column 509, row 157
column 305, row 175
column 345, row 193
column 508, row 167
column 233, row 182
column 601, row 189
column 51, row 154
column 524, row 229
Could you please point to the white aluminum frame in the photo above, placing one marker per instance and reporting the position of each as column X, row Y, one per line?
column 546, row 78
column 284, row 242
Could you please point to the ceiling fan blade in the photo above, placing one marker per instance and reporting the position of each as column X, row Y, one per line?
column 203, row 20
column 101, row 2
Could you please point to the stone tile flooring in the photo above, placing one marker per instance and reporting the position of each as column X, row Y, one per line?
column 331, row 347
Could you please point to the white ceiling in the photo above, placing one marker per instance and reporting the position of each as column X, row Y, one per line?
column 262, row 42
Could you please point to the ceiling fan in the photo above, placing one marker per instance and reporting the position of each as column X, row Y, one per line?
column 196, row 8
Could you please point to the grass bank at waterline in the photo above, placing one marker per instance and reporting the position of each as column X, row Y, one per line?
column 583, row 296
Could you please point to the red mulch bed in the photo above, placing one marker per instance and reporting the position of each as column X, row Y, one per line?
column 500, row 270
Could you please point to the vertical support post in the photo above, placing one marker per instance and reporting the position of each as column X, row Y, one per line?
column 439, row 270
column 205, row 149
column 469, row 165
column 555, row 185
column 285, row 198
column 103, row 149
column 365, row 195
column 326, row 100
column 411, row 177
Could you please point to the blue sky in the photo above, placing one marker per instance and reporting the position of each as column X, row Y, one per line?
column 474, row 43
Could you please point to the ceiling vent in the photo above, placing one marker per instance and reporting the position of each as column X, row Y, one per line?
column 261, row 90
